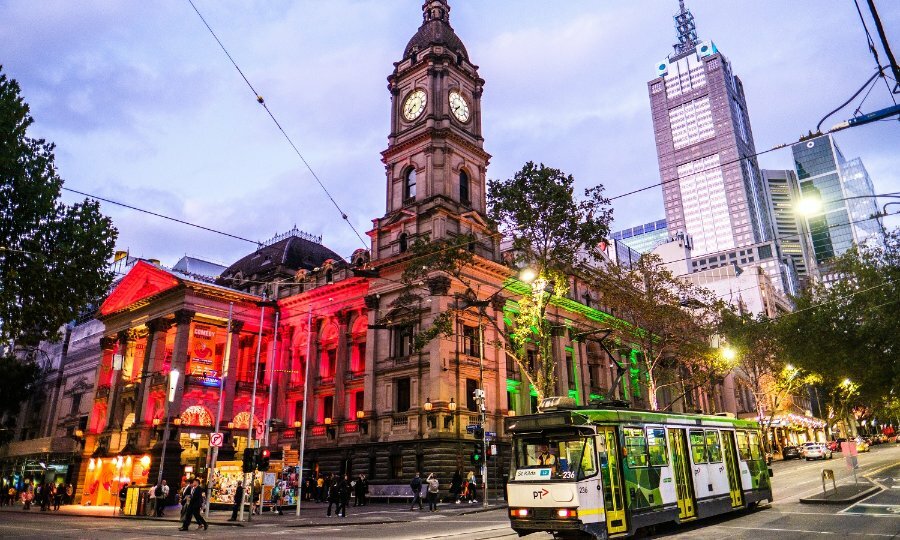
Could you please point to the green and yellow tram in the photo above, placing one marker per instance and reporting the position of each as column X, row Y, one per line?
column 609, row 471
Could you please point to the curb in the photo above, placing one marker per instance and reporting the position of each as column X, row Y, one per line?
column 135, row 518
column 844, row 500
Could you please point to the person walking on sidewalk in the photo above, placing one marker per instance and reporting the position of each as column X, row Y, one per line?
column 456, row 486
column 194, row 504
column 472, row 488
column 123, row 494
column 58, row 494
column 238, row 501
column 416, row 485
column 162, row 495
column 361, row 489
column 433, row 491
column 345, row 496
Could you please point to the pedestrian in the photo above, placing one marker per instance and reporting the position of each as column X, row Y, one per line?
column 70, row 494
column 345, row 495
column 320, row 487
column 123, row 495
column 456, row 486
column 433, row 492
column 27, row 496
column 194, row 502
column 416, row 485
column 162, row 495
column 361, row 489
column 472, row 488
column 238, row 501
column 58, row 494
column 277, row 496
column 183, row 499
column 333, row 496
column 151, row 500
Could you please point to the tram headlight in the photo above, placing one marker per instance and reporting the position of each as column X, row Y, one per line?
column 518, row 512
column 567, row 513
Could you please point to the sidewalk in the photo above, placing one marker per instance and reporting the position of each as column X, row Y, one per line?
column 311, row 514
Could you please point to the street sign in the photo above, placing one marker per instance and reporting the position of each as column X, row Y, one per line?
column 493, row 449
column 490, row 434
column 472, row 427
column 216, row 440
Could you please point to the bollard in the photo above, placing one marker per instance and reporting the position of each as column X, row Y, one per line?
column 828, row 474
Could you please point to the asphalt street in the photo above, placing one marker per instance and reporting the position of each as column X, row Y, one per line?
column 877, row 516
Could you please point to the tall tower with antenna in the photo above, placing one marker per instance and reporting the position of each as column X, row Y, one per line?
column 712, row 187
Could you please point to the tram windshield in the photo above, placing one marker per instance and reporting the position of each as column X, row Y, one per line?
column 567, row 456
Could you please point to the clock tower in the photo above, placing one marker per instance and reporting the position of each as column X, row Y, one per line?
column 435, row 163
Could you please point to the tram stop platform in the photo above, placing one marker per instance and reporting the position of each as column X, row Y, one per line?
column 842, row 494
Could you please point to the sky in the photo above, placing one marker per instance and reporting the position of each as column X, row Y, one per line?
column 145, row 108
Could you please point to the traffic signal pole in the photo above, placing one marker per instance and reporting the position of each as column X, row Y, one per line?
column 484, row 481
column 214, row 453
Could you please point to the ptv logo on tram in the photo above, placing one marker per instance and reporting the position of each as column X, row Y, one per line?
column 539, row 494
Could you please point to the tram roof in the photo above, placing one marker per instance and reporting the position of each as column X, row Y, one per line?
column 616, row 415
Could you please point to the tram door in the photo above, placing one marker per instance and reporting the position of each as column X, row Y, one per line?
column 681, row 468
column 734, row 472
column 613, row 499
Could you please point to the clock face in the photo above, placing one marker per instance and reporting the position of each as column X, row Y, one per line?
column 414, row 105
column 459, row 107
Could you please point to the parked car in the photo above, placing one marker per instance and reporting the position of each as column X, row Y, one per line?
column 861, row 445
column 835, row 446
column 815, row 450
column 790, row 452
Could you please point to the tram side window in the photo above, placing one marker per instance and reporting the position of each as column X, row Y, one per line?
column 713, row 447
column 635, row 447
column 755, row 449
column 743, row 443
column 656, row 443
column 698, row 447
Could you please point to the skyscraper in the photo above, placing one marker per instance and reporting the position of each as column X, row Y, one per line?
column 790, row 228
column 712, row 187
column 847, row 198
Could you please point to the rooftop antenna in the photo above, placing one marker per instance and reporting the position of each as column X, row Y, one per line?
column 687, row 30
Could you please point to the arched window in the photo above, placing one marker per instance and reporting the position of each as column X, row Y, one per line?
column 463, row 187
column 404, row 243
column 409, row 184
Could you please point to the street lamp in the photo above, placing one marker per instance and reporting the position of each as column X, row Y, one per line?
column 728, row 353
column 173, row 384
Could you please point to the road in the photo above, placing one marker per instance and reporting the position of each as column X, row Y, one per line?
column 875, row 517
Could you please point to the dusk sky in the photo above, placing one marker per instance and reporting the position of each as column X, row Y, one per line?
column 146, row 109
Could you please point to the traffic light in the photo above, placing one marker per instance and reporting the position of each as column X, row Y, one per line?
column 249, row 460
column 478, row 433
column 264, row 456
column 478, row 453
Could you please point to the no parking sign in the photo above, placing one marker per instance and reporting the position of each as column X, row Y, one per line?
column 216, row 440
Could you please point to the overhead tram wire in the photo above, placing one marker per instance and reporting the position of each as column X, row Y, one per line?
column 871, row 43
column 262, row 102
column 163, row 216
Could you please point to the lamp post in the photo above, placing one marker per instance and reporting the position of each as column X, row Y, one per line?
column 214, row 455
column 173, row 384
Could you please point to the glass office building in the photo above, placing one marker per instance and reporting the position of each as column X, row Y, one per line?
column 644, row 238
column 848, row 213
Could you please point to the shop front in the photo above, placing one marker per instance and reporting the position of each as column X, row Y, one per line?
column 106, row 476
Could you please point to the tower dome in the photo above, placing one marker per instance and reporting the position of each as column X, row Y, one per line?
column 435, row 30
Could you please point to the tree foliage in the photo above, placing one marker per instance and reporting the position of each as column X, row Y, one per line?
column 52, row 256
column 849, row 329
column 550, row 229
column 669, row 321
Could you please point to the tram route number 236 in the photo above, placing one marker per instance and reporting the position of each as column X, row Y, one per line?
column 582, row 489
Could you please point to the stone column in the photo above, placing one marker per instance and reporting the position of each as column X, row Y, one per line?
column 372, row 301
column 231, row 374
column 313, row 356
column 183, row 320
column 153, row 357
column 341, row 364
column 114, row 410
column 283, row 373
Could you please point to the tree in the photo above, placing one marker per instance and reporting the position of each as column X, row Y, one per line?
column 670, row 323
column 52, row 256
column 848, row 329
column 549, row 230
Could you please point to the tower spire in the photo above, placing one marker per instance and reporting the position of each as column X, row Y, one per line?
column 436, row 10
column 687, row 30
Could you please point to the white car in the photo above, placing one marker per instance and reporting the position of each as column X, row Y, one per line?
column 814, row 450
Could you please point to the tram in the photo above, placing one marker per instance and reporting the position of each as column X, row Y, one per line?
column 607, row 471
